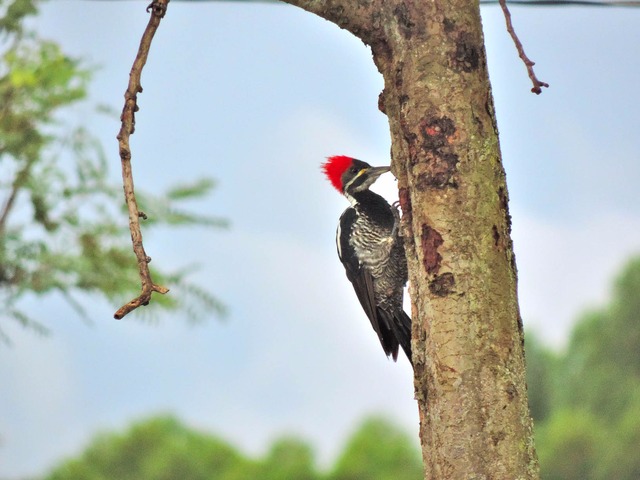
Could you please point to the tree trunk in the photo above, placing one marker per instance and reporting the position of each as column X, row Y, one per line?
column 467, row 332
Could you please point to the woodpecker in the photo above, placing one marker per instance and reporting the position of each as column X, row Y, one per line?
column 371, row 250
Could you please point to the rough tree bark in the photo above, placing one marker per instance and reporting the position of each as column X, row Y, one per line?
column 467, row 334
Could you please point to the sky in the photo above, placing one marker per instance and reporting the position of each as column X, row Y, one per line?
column 257, row 96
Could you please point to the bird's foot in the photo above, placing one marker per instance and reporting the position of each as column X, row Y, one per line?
column 395, row 209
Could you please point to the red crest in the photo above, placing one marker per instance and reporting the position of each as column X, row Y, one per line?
column 334, row 167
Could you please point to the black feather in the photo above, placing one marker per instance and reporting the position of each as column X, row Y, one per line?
column 392, row 327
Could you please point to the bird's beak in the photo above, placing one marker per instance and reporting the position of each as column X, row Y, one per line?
column 377, row 171
column 371, row 174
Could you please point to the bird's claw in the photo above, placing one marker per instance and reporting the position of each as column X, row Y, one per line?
column 395, row 209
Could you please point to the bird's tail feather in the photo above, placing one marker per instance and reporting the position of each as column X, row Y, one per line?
column 401, row 325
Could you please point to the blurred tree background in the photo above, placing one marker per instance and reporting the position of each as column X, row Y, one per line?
column 63, row 223
column 63, row 230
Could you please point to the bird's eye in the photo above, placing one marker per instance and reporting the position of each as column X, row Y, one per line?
column 354, row 170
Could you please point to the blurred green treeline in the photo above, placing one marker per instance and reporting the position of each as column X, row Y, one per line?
column 162, row 448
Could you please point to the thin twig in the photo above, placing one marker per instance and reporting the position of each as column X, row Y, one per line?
column 537, row 84
column 158, row 9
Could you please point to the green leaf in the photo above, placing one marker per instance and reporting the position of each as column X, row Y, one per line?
column 197, row 189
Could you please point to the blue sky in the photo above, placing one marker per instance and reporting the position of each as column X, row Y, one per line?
column 256, row 96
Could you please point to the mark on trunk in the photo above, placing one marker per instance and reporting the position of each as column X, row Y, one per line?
column 467, row 54
column 504, row 205
column 430, row 241
column 442, row 285
column 406, row 26
column 496, row 235
column 502, row 195
column 405, row 203
column 399, row 76
column 405, row 206
column 381, row 50
column 449, row 25
column 520, row 325
column 511, row 392
column 381, row 101
column 438, row 135
column 336, row 13
column 437, row 132
column 412, row 140
column 440, row 174
column 496, row 438
column 488, row 106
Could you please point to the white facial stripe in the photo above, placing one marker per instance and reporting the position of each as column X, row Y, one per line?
column 346, row 187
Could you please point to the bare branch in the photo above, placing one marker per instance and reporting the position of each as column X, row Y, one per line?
column 537, row 84
column 158, row 9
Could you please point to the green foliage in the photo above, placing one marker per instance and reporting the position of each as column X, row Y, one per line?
column 586, row 402
column 618, row 458
column 15, row 12
column 568, row 446
column 378, row 451
column 63, row 225
column 540, row 366
column 159, row 449
column 162, row 448
column 289, row 458
column 604, row 350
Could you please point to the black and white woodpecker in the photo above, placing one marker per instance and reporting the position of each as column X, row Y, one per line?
column 372, row 252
